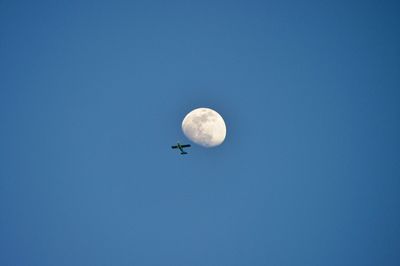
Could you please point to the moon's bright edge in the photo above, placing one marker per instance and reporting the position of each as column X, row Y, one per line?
column 204, row 127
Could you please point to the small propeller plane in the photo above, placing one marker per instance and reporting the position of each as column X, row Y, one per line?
column 180, row 147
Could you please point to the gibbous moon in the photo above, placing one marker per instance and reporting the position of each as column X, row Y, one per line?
column 205, row 127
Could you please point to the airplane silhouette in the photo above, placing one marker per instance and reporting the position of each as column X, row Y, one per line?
column 180, row 147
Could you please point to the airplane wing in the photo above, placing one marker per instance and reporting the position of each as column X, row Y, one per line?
column 174, row 147
column 185, row 146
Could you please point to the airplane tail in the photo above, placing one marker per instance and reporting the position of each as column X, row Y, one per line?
column 184, row 152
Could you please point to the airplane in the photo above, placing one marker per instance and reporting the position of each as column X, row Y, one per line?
column 180, row 147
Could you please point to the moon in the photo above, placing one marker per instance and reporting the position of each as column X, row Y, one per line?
column 205, row 127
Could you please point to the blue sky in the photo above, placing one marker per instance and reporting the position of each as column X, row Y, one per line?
column 92, row 95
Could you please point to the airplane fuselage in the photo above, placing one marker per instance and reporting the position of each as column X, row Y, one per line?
column 180, row 148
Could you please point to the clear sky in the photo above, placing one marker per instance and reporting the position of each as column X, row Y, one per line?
column 92, row 96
